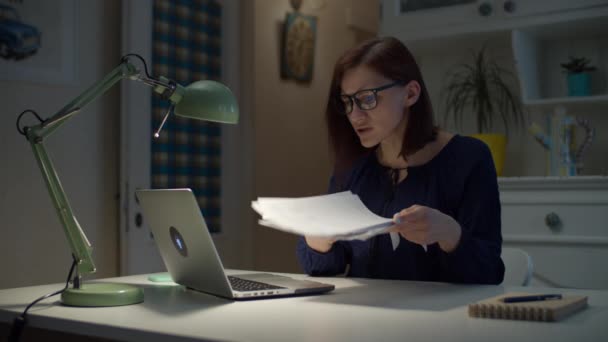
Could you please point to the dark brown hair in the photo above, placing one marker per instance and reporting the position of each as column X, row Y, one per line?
column 391, row 59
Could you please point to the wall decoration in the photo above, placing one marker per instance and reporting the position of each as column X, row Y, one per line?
column 37, row 41
column 298, row 47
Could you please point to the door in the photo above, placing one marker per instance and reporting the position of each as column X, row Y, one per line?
column 138, row 250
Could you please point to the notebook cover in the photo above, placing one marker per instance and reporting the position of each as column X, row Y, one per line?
column 546, row 310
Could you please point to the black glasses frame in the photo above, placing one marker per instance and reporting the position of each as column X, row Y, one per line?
column 347, row 107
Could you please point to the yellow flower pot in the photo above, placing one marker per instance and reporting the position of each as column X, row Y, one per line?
column 498, row 147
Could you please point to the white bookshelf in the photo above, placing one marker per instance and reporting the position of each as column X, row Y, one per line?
column 540, row 35
column 538, row 51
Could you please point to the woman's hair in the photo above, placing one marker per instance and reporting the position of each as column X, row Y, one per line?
column 390, row 58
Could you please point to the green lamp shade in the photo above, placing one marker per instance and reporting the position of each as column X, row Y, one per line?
column 210, row 101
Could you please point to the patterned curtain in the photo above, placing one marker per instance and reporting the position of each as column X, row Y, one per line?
column 186, row 48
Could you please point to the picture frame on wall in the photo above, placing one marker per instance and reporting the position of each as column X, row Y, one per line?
column 38, row 41
column 298, row 47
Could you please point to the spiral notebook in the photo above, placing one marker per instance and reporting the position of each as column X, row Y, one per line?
column 546, row 310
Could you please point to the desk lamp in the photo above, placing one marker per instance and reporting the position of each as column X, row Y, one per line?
column 202, row 100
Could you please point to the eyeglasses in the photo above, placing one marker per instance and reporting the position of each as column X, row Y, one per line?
column 365, row 99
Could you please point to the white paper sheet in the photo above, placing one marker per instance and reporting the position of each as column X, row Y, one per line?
column 341, row 216
column 395, row 240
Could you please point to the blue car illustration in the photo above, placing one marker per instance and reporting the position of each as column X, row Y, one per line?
column 17, row 39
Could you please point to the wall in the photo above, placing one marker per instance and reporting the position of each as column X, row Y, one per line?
column 33, row 248
column 291, row 156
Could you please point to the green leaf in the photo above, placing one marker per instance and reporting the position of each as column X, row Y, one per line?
column 480, row 89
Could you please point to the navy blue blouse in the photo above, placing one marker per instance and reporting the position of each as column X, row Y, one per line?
column 459, row 181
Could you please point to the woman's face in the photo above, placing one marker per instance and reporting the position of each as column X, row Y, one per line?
column 385, row 121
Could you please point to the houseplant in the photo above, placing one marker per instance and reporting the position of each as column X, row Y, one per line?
column 578, row 69
column 480, row 90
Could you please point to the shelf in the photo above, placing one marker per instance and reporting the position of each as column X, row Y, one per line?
column 554, row 191
column 553, row 182
column 556, row 240
column 569, row 100
column 539, row 51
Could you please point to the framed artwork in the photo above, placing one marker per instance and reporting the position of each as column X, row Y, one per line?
column 298, row 48
column 37, row 41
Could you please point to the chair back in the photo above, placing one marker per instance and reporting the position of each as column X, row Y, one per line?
column 518, row 267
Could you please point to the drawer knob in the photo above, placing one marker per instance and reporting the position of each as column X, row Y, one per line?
column 485, row 9
column 509, row 6
column 553, row 221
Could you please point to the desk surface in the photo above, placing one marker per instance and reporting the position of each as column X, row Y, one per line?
column 358, row 310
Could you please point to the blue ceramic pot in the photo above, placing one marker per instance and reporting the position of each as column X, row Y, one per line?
column 578, row 84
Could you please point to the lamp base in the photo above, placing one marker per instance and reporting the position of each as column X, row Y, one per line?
column 160, row 278
column 103, row 294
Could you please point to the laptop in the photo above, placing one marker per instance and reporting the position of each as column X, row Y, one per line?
column 189, row 254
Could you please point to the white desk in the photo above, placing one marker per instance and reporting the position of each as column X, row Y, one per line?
column 358, row 310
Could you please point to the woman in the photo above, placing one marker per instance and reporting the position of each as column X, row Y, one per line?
column 439, row 188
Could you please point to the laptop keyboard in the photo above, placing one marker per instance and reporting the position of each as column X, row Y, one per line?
column 239, row 284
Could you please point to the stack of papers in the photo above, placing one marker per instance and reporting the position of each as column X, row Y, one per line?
column 341, row 216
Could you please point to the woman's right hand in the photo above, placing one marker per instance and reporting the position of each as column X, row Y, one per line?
column 319, row 244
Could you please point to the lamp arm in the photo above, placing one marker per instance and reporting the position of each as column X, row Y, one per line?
column 78, row 242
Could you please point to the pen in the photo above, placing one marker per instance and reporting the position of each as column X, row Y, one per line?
column 531, row 298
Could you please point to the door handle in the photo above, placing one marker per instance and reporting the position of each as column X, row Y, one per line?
column 139, row 220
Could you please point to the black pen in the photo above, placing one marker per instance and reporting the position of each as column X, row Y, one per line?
column 532, row 298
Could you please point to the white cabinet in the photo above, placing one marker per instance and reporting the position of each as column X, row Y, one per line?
column 563, row 224
column 409, row 24
column 416, row 22
column 540, row 34
column 540, row 49
column 544, row 34
column 448, row 18
column 535, row 7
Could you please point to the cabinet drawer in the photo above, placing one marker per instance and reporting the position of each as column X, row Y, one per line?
column 588, row 220
column 571, row 253
column 555, row 208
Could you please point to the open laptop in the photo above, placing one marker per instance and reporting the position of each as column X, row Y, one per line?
column 189, row 254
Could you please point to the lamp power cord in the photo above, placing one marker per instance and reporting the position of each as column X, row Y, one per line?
column 125, row 58
column 20, row 321
column 23, row 131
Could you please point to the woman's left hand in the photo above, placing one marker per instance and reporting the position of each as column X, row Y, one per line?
column 425, row 226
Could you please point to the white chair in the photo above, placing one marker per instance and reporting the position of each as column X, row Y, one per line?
column 518, row 267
